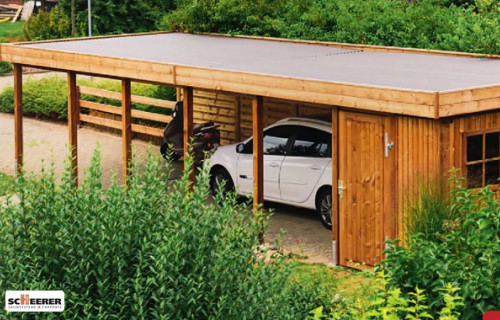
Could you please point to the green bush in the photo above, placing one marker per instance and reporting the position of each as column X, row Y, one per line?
column 465, row 256
column 148, row 250
column 47, row 25
column 429, row 24
column 48, row 97
column 6, row 184
column 388, row 303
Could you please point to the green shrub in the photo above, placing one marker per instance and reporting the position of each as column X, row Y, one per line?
column 429, row 24
column 47, row 25
column 6, row 184
column 466, row 256
column 149, row 250
column 48, row 97
column 388, row 302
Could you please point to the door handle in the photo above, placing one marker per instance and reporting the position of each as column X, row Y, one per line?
column 274, row 164
column 315, row 168
column 340, row 189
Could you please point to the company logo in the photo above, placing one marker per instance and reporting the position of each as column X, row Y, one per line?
column 34, row 301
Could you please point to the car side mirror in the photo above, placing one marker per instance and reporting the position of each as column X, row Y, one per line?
column 240, row 147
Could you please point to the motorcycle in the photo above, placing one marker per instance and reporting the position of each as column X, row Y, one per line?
column 206, row 137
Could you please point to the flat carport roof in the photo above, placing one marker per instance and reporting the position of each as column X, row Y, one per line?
column 430, row 85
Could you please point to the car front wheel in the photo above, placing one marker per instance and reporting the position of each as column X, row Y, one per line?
column 220, row 177
column 324, row 207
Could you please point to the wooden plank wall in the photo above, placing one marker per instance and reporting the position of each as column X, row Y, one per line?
column 220, row 108
column 234, row 112
column 418, row 150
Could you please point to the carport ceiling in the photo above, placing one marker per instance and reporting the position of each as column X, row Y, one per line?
column 328, row 74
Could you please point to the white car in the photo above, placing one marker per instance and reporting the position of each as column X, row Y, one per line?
column 297, row 166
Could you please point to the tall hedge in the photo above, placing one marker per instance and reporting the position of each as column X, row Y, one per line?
column 430, row 24
column 148, row 250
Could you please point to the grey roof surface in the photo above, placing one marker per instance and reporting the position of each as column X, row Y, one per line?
column 303, row 61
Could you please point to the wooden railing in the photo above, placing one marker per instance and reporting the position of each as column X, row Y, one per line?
column 137, row 114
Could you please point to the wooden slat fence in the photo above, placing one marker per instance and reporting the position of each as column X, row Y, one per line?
column 117, row 111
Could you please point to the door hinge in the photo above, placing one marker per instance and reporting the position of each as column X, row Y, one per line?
column 340, row 189
column 388, row 145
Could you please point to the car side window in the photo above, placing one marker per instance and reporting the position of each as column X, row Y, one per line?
column 275, row 140
column 312, row 142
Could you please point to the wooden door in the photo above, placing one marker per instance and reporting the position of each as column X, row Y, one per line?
column 363, row 166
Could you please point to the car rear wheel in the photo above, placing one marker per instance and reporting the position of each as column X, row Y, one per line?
column 221, row 178
column 324, row 207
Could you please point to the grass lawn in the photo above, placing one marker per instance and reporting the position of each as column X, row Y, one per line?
column 12, row 31
column 6, row 184
column 348, row 283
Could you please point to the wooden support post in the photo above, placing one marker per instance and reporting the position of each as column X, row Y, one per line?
column 258, row 148
column 73, row 116
column 18, row 116
column 237, row 118
column 335, row 207
column 187, row 95
column 126, row 128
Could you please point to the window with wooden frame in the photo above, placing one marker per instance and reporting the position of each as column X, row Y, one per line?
column 482, row 158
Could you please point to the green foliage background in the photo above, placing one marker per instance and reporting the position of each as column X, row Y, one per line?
column 430, row 24
column 463, row 251
column 458, row 25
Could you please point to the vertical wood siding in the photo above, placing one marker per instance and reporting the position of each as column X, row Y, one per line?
column 418, row 150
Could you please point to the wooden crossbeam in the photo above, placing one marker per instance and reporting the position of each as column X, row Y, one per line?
column 135, row 99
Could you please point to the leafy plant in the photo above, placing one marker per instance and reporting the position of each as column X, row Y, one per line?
column 6, row 184
column 150, row 249
column 389, row 303
column 431, row 24
column 466, row 257
column 47, row 25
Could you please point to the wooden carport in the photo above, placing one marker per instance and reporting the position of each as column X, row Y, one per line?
column 407, row 89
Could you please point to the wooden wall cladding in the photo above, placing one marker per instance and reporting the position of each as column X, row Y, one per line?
column 234, row 112
column 217, row 107
column 418, row 151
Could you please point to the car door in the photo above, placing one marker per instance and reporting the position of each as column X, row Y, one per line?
column 309, row 155
column 275, row 146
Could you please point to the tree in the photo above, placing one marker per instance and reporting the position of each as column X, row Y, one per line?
column 113, row 17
